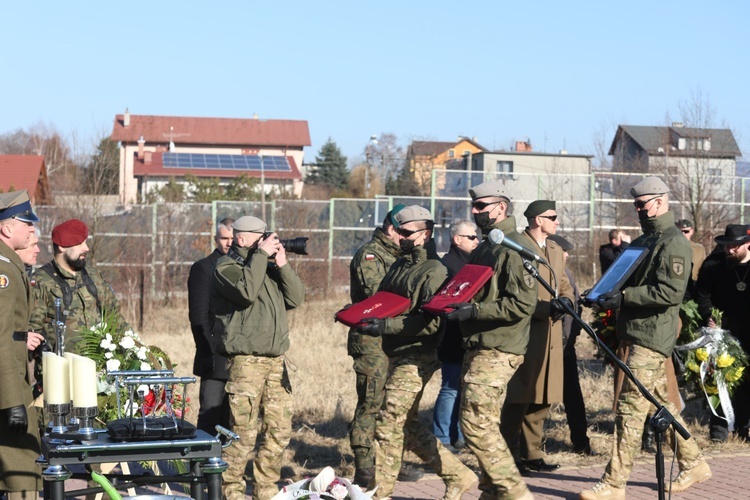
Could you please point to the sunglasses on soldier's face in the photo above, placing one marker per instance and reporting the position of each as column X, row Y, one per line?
column 481, row 205
column 405, row 233
column 472, row 237
column 639, row 204
column 553, row 218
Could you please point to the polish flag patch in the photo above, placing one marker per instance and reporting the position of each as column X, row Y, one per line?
column 369, row 256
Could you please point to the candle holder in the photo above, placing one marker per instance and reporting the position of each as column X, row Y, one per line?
column 58, row 413
column 85, row 416
column 73, row 421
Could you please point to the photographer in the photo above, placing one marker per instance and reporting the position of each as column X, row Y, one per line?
column 253, row 287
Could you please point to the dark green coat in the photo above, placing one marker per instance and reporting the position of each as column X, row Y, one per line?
column 251, row 301
column 653, row 294
column 506, row 303
column 366, row 271
column 18, row 470
column 419, row 278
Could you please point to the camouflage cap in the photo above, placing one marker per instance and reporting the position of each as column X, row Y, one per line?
column 538, row 207
column 488, row 189
column 17, row 205
column 412, row 213
column 649, row 185
column 249, row 224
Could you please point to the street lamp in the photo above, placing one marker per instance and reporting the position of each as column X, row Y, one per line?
column 262, row 190
column 368, row 159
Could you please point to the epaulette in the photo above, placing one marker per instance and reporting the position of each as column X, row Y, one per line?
column 4, row 259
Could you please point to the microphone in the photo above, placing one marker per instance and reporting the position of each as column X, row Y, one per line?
column 497, row 237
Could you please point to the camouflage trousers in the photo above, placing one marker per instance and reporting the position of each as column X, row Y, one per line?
column 399, row 426
column 649, row 368
column 258, row 388
column 372, row 372
column 485, row 377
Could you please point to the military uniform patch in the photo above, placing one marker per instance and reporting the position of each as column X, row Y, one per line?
column 528, row 280
column 369, row 256
column 677, row 264
column 4, row 281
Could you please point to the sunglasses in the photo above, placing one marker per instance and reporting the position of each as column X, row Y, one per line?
column 642, row 203
column 553, row 218
column 472, row 237
column 405, row 233
column 480, row 205
column 686, row 231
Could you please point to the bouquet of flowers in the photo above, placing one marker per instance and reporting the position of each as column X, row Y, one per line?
column 323, row 486
column 714, row 360
column 115, row 348
column 604, row 327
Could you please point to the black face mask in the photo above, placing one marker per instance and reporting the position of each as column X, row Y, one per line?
column 482, row 220
column 407, row 246
column 643, row 215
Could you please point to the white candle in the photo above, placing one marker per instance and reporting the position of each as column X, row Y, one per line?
column 69, row 356
column 55, row 379
column 84, row 382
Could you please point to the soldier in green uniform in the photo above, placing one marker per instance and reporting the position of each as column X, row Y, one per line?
column 495, row 327
column 539, row 381
column 649, row 305
column 86, row 296
column 366, row 271
column 253, row 287
column 410, row 341
column 19, row 437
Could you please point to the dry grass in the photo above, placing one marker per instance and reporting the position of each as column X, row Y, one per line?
column 324, row 394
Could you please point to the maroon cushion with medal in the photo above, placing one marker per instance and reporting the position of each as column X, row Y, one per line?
column 461, row 288
column 380, row 305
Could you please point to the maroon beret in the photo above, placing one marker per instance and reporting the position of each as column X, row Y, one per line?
column 70, row 233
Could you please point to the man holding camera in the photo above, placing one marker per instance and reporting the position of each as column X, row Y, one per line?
column 253, row 287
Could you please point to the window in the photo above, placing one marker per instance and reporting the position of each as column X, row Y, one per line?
column 504, row 167
column 466, row 152
column 451, row 153
column 714, row 175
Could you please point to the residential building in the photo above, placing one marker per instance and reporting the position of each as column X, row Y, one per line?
column 155, row 149
column 26, row 172
column 425, row 156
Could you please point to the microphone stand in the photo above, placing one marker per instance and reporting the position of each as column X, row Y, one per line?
column 661, row 420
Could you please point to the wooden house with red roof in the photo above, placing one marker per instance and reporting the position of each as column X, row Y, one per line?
column 154, row 149
column 26, row 172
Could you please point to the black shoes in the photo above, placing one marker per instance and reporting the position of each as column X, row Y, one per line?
column 539, row 465
column 409, row 475
column 523, row 469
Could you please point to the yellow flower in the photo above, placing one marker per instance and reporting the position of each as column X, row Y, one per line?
column 724, row 360
column 710, row 389
column 734, row 375
column 693, row 367
column 701, row 354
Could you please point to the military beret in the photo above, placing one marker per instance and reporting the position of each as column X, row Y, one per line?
column 249, row 224
column 389, row 216
column 564, row 244
column 649, row 185
column 538, row 207
column 70, row 233
column 494, row 188
column 412, row 213
column 683, row 224
column 16, row 205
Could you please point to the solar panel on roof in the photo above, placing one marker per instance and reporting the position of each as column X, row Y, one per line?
column 226, row 162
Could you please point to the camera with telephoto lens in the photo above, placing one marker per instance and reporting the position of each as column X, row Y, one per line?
column 296, row 245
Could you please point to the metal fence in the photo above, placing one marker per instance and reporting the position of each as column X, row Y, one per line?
column 148, row 249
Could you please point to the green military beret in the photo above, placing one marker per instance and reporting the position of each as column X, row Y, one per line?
column 649, row 185
column 538, row 207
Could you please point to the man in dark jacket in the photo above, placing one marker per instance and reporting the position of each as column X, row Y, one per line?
column 464, row 240
column 724, row 283
column 618, row 241
column 410, row 341
column 649, row 305
column 209, row 364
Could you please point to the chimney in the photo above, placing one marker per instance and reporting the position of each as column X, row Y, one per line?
column 677, row 124
column 141, row 143
column 147, row 157
column 255, row 116
column 126, row 118
column 523, row 146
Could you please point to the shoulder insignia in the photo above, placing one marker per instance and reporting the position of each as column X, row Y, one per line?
column 678, row 265
column 369, row 256
column 4, row 281
column 4, row 259
column 528, row 279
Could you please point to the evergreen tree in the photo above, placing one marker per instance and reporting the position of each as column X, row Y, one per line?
column 330, row 167
column 404, row 184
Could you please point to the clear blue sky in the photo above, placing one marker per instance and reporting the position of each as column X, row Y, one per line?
column 558, row 73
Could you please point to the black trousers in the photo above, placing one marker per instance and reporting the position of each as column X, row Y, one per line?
column 575, row 410
column 214, row 405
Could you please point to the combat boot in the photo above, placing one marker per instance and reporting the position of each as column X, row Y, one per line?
column 363, row 477
column 689, row 477
column 455, row 490
column 602, row 491
column 409, row 475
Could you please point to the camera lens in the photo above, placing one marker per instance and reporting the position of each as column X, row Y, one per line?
column 296, row 245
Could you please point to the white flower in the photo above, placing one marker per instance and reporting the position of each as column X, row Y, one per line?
column 143, row 389
column 145, row 366
column 141, row 352
column 113, row 365
column 127, row 343
column 108, row 355
column 105, row 343
column 109, row 337
column 339, row 491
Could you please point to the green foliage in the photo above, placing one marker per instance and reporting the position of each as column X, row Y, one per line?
column 101, row 175
column 171, row 192
column 330, row 168
column 242, row 188
column 204, row 189
column 404, row 184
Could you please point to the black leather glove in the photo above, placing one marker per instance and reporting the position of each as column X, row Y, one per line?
column 557, row 310
column 374, row 327
column 464, row 311
column 15, row 419
column 610, row 301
